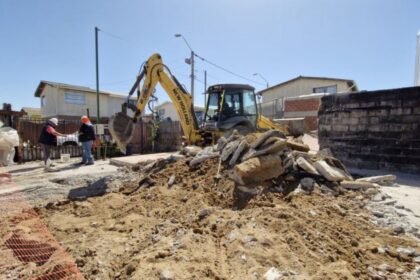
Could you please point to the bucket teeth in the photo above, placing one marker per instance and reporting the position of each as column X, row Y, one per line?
column 121, row 128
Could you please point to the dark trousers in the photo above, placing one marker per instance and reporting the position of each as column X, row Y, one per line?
column 47, row 152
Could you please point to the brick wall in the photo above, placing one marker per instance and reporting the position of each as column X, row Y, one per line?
column 373, row 129
column 302, row 104
column 303, row 107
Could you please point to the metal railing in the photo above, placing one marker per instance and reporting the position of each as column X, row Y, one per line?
column 272, row 109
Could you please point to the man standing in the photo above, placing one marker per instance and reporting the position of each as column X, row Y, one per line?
column 86, row 137
column 48, row 139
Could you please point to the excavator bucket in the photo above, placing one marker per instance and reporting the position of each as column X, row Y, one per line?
column 121, row 128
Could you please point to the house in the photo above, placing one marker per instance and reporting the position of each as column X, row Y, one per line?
column 66, row 101
column 167, row 110
column 32, row 113
column 273, row 98
column 299, row 98
column 8, row 117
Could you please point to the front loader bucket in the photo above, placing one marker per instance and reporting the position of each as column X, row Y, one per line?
column 121, row 128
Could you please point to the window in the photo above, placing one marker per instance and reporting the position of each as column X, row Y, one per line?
column 43, row 102
column 132, row 101
column 161, row 112
column 74, row 98
column 212, row 107
column 327, row 89
column 249, row 103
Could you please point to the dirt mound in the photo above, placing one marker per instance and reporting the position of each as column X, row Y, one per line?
column 188, row 229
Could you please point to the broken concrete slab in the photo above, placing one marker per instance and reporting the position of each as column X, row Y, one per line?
column 276, row 147
column 305, row 165
column 329, row 172
column 229, row 149
column 258, row 169
column 241, row 148
column 297, row 146
column 356, row 185
column 191, row 150
column 197, row 160
column 271, row 133
column 379, row 179
column 134, row 160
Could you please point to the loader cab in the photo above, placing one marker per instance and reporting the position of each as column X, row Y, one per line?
column 230, row 106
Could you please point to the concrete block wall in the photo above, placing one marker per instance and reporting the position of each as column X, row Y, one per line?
column 373, row 129
column 305, row 106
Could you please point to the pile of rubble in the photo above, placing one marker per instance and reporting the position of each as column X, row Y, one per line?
column 271, row 161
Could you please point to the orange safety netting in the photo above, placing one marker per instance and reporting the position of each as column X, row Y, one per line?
column 27, row 249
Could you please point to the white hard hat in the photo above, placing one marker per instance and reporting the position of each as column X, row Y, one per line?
column 54, row 121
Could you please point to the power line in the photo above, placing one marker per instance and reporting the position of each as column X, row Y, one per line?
column 227, row 70
column 202, row 58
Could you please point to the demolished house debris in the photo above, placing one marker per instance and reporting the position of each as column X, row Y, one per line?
column 265, row 162
column 249, row 207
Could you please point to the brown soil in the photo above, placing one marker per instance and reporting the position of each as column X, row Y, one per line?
column 192, row 231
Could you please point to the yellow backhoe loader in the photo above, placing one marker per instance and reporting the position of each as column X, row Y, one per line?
column 228, row 107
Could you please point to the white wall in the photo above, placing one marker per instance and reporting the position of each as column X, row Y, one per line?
column 302, row 87
column 56, row 105
column 170, row 111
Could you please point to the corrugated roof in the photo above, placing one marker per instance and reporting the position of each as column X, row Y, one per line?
column 351, row 83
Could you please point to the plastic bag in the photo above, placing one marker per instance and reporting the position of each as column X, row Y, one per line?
column 9, row 136
column 9, row 139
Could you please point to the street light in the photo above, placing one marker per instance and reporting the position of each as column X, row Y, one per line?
column 191, row 62
column 262, row 77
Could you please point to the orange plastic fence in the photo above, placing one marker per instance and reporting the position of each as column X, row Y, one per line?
column 27, row 249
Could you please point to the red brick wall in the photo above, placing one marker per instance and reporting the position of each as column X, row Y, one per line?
column 301, row 107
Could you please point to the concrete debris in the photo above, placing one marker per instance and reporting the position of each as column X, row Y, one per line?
column 356, row 185
column 204, row 213
column 298, row 146
column 272, row 274
column 166, row 275
column 411, row 252
column 221, row 143
column 243, row 146
column 281, row 164
column 229, row 149
column 329, row 172
column 202, row 156
column 191, row 150
column 384, row 180
column 171, row 181
column 307, row 184
column 270, row 133
column 305, row 165
column 258, row 169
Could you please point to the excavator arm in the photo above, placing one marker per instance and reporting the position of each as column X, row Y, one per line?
column 154, row 71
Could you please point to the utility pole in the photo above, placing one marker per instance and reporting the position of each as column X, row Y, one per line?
column 205, row 89
column 262, row 77
column 189, row 61
column 192, row 76
column 98, row 150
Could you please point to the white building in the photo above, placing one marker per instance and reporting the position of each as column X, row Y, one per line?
column 273, row 97
column 167, row 110
column 66, row 101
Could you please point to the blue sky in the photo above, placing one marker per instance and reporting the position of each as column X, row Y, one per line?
column 370, row 41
